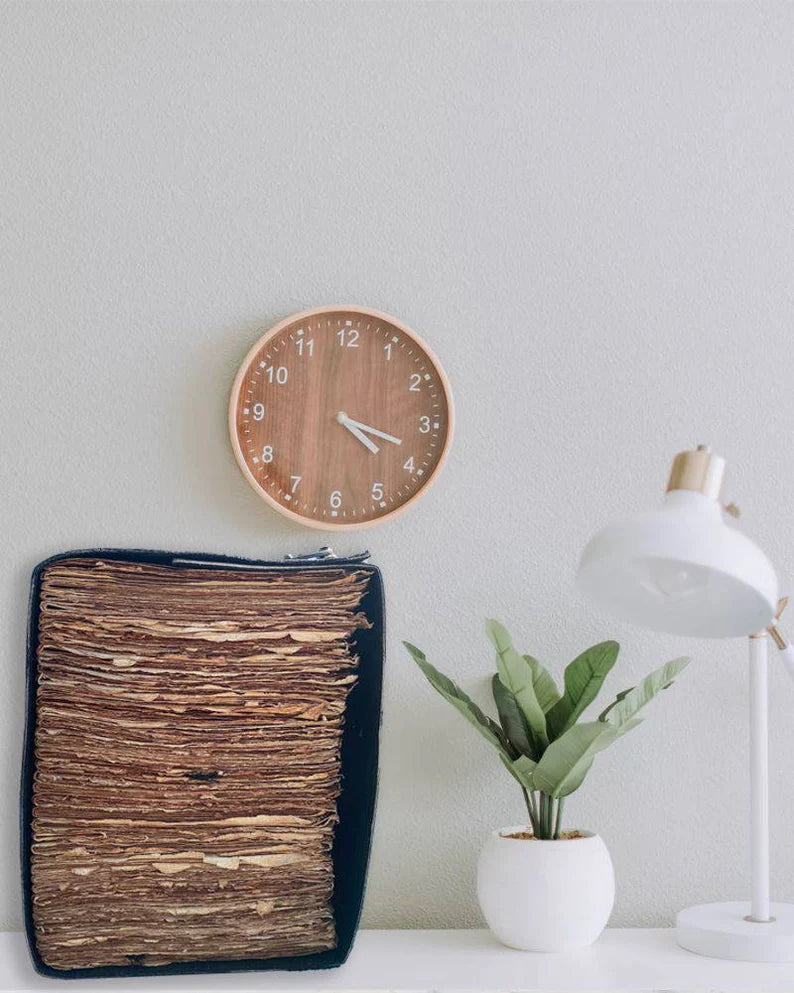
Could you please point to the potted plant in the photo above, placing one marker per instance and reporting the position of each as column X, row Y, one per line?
column 542, row 888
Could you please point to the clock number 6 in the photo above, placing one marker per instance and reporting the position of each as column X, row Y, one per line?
column 336, row 500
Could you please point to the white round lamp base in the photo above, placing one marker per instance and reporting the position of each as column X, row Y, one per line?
column 721, row 931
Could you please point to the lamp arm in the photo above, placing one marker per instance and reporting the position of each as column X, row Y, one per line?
column 784, row 646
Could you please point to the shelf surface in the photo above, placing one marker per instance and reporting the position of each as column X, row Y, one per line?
column 629, row 960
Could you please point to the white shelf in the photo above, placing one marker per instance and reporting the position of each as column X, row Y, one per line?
column 622, row 961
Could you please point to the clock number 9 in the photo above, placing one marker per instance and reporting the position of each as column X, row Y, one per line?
column 259, row 412
column 336, row 500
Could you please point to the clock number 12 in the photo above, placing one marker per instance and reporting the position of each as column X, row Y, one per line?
column 348, row 337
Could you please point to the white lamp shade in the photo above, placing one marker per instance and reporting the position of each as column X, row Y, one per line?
column 681, row 570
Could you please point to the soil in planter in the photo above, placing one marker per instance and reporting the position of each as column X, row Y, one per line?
column 529, row 836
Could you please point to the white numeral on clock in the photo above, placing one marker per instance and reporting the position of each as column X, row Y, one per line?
column 409, row 464
column 416, row 379
column 336, row 500
column 348, row 337
column 267, row 453
column 424, row 424
column 275, row 375
column 259, row 411
column 305, row 344
column 387, row 350
column 295, row 480
column 377, row 491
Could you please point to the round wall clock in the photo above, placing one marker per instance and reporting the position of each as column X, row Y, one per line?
column 340, row 417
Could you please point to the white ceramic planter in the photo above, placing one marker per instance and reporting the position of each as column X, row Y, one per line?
column 545, row 896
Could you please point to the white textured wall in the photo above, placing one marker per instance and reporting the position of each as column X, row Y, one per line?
column 587, row 210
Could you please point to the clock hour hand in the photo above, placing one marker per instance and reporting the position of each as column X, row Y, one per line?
column 350, row 425
column 344, row 419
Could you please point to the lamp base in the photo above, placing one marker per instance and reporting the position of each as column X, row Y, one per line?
column 721, row 931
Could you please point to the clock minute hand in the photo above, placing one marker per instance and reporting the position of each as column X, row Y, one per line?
column 378, row 434
column 350, row 425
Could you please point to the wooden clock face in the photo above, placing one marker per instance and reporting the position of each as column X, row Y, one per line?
column 340, row 417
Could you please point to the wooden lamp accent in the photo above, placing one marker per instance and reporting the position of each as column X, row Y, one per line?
column 340, row 417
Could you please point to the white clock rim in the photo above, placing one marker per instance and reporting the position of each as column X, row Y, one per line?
column 300, row 315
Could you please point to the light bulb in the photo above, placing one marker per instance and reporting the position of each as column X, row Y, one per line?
column 668, row 578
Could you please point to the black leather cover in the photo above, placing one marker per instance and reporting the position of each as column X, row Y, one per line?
column 356, row 804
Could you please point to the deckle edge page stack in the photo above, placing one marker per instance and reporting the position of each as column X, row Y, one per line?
column 187, row 762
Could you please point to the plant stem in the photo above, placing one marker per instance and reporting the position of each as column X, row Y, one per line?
column 533, row 815
column 558, row 825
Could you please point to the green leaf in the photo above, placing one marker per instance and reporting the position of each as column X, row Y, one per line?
column 631, row 702
column 603, row 715
column 521, row 769
column 517, row 676
column 545, row 688
column 583, row 679
column 629, row 726
column 514, row 724
column 567, row 760
column 453, row 694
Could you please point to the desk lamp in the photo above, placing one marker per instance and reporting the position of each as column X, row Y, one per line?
column 682, row 569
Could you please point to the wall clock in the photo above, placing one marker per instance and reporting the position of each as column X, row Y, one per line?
column 340, row 417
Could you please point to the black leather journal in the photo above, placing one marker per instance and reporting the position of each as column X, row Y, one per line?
column 200, row 765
